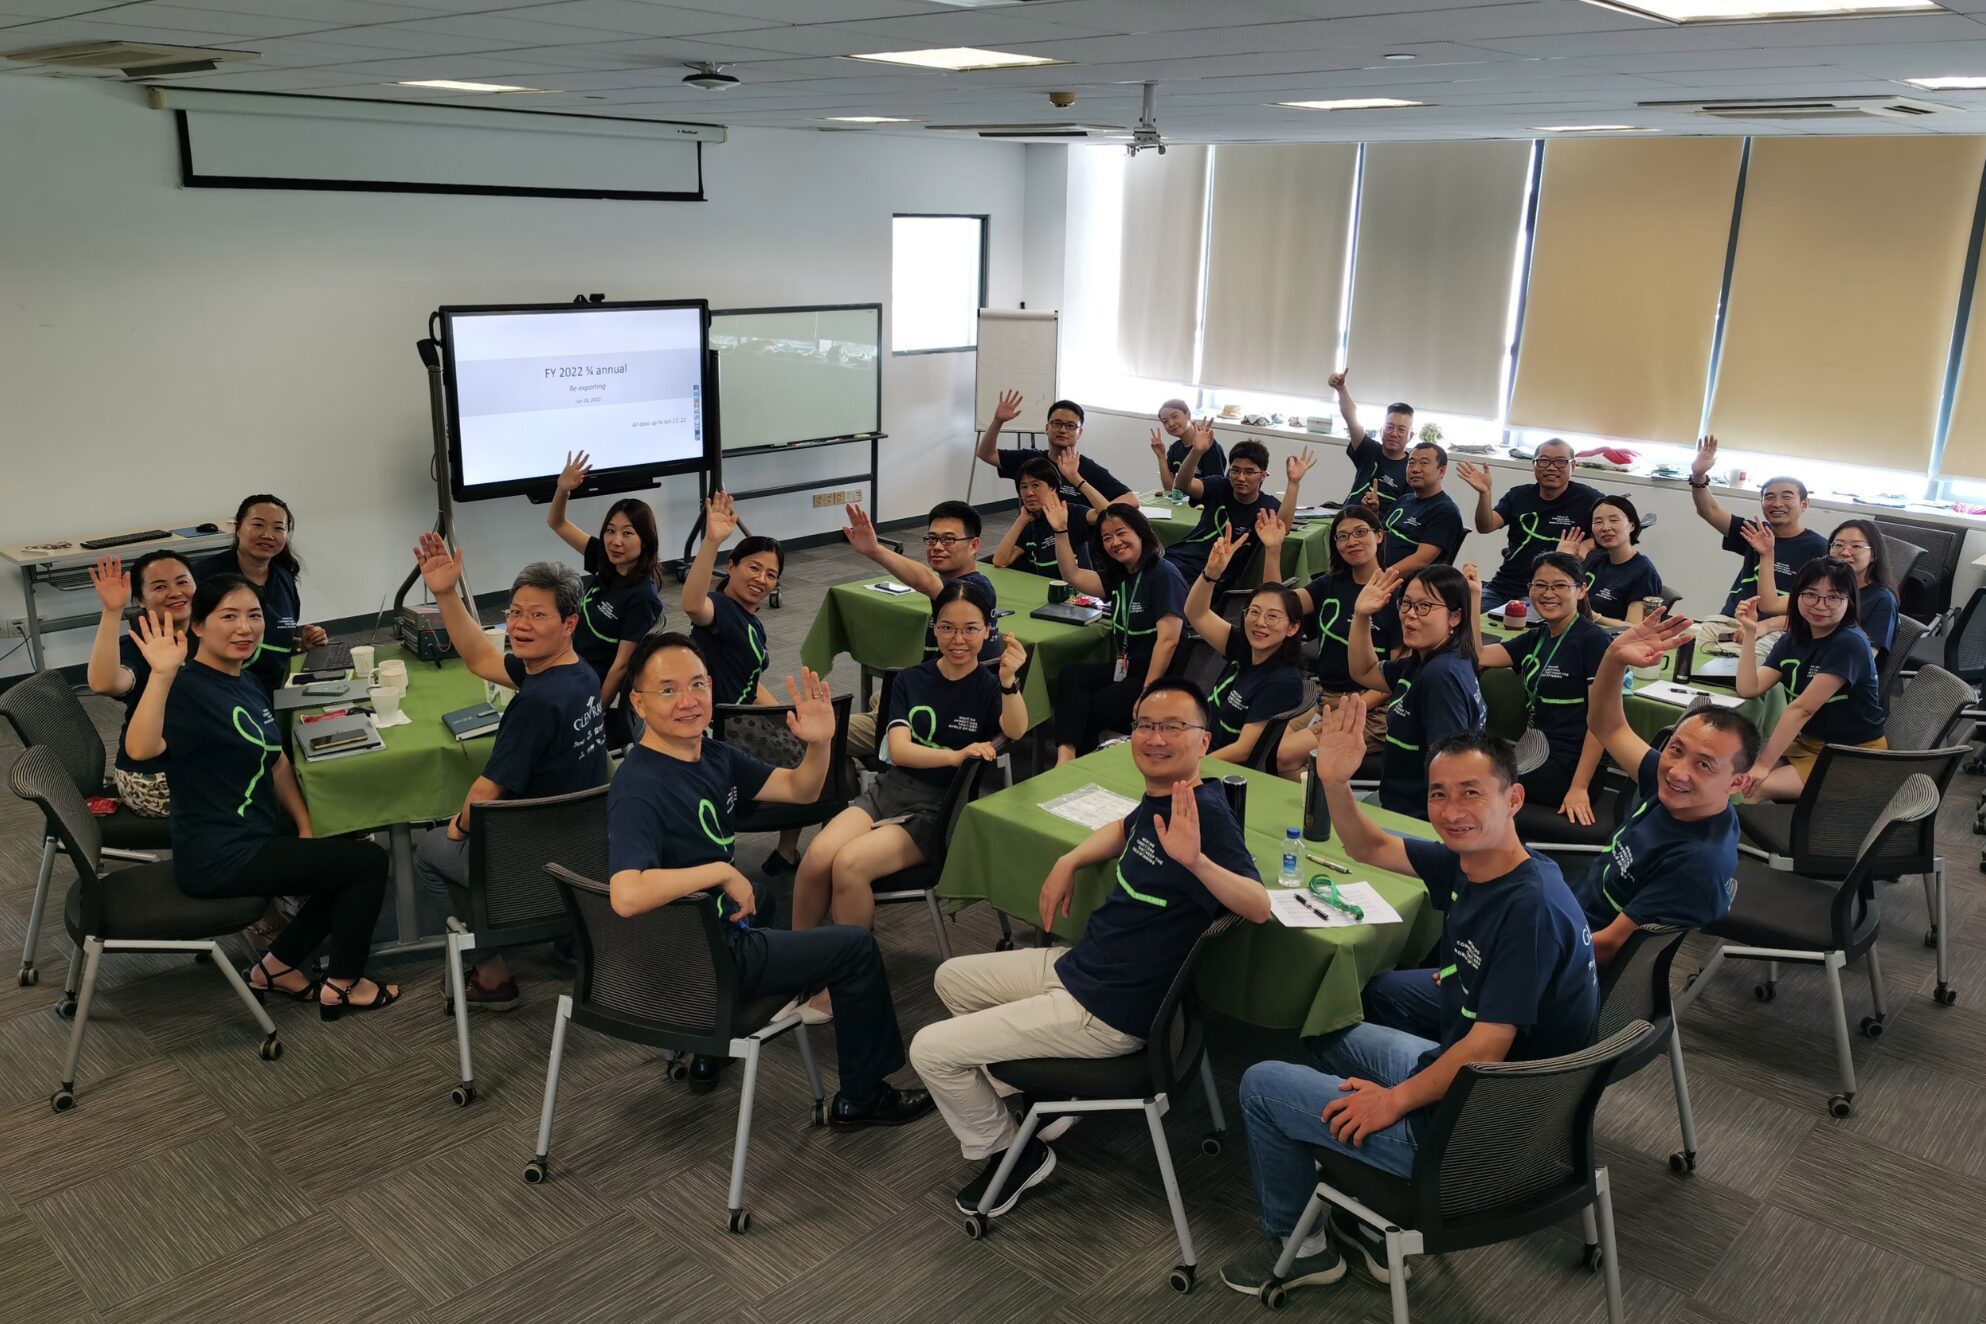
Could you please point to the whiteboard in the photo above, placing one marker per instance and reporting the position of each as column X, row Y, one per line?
column 787, row 375
column 1017, row 351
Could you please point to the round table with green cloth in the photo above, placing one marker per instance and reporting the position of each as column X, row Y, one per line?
column 1307, row 980
column 883, row 630
column 1306, row 548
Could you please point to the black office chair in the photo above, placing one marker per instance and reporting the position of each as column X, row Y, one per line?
column 919, row 883
column 761, row 731
column 1262, row 755
column 665, row 979
column 511, row 903
column 1634, row 986
column 1510, row 1152
column 44, row 711
column 1005, row 763
column 1145, row 1081
column 140, row 909
column 1908, row 631
column 1780, row 916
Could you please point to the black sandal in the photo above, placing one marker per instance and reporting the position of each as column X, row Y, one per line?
column 331, row 1011
column 261, row 992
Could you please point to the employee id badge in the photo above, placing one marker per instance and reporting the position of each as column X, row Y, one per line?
column 1122, row 669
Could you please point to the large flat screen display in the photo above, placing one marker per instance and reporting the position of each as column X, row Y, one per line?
column 526, row 385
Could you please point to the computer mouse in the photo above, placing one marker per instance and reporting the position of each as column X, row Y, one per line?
column 208, row 528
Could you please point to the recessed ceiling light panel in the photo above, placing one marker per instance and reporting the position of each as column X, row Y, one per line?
column 866, row 119
column 1591, row 128
column 958, row 58
column 1761, row 11
column 452, row 85
column 1352, row 103
column 1949, row 83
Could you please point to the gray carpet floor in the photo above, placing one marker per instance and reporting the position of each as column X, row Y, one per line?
column 194, row 1181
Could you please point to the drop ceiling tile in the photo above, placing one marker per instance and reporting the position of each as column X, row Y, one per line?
column 18, row 11
column 1894, row 61
column 1166, row 15
column 1919, row 29
column 53, row 32
column 631, row 17
column 1579, row 45
column 318, row 13
column 1532, row 18
column 816, row 11
column 497, row 29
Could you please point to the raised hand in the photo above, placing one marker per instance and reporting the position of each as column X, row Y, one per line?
column 1203, row 434
column 1642, row 644
column 1474, row 578
column 1223, row 551
column 1158, row 444
column 978, row 749
column 1341, row 740
column 1012, row 655
column 1747, row 615
column 812, row 718
column 1372, row 599
column 440, row 571
column 1180, row 838
column 1296, row 466
column 860, row 532
column 161, row 643
column 1069, row 465
column 1055, row 511
column 720, row 518
column 112, row 583
column 577, row 465
column 1576, row 543
column 1371, row 498
column 1760, row 537
column 1336, row 381
column 1475, row 475
column 1009, row 407
column 1269, row 530
column 1706, row 457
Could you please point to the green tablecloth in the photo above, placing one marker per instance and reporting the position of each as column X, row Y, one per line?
column 884, row 630
column 423, row 773
column 1306, row 549
column 1296, row 979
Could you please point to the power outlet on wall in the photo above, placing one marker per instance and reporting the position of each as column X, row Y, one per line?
column 822, row 500
column 17, row 628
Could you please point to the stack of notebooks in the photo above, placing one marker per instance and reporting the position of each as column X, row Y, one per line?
column 336, row 737
column 468, row 723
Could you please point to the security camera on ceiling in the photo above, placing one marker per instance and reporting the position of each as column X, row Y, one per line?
column 710, row 77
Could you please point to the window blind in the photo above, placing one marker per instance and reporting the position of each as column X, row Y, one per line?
column 1158, row 304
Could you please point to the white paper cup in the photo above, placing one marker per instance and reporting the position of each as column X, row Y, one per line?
column 393, row 675
column 362, row 656
column 385, row 700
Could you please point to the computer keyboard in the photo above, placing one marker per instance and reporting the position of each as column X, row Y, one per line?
column 328, row 657
column 120, row 539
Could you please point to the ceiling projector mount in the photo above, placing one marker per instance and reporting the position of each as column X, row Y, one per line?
column 709, row 77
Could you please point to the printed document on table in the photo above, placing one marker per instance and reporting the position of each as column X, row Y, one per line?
column 1297, row 909
column 1155, row 512
column 1091, row 806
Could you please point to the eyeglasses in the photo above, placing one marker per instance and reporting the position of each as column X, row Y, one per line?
column 946, row 630
column 515, row 614
column 1249, row 471
column 1063, row 425
column 1144, row 726
column 943, row 540
column 1419, row 607
column 1542, row 463
column 1541, row 586
column 1847, row 547
column 1816, row 599
column 668, row 693
column 1361, row 532
column 1257, row 616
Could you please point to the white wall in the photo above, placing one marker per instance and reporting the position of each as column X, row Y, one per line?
column 164, row 351
column 1047, row 210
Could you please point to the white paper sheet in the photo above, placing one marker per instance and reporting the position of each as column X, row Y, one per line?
column 1090, row 806
column 1297, row 909
column 1155, row 512
column 1667, row 691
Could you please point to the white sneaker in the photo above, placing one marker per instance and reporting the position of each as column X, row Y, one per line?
column 1057, row 1126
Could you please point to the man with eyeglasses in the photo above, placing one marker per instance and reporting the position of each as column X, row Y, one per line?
column 1535, row 516
column 1180, row 860
column 1783, row 502
column 1379, row 468
column 1231, row 504
column 1086, row 485
column 551, row 739
column 1424, row 527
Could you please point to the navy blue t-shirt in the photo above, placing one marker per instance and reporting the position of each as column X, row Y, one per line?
column 1855, row 715
column 991, row 649
column 1660, row 870
column 1369, row 463
column 1431, row 699
column 1789, row 555
column 1612, row 589
column 1414, row 520
column 1220, row 511
column 1009, row 462
column 224, row 744
column 1138, row 602
column 1034, row 549
column 670, row 813
column 1135, row 942
column 1213, row 460
column 1875, row 613
column 1516, row 951
column 1533, row 526
column 551, row 740
column 613, row 612
column 1556, row 674
column 282, row 613
column 1332, row 598
column 1250, row 693
column 943, row 714
column 734, row 649
column 134, row 661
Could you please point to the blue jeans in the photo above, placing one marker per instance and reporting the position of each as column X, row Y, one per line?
column 1282, row 1103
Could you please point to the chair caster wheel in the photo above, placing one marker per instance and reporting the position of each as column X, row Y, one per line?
column 1930, row 937
column 741, row 1219
column 820, row 1112
column 1274, row 1295
column 1944, row 995
column 1211, row 1146
column 63, row 1100
column 29, row 976
column 1591, row 1258
column 1683, row 1162
column 272, row 1049
column 203, row 958
column 1765, row 992
column 679, row 1068
column 536, row 1173
column 66, row 1009
column 463, row 1095
column 1181, row 1278
column 1872, row 1026
column 1004, row 945
column 775, row 600
column 1840, row 1106
column 975, row 1226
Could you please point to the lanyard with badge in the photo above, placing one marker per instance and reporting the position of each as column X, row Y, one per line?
column 1120, row 625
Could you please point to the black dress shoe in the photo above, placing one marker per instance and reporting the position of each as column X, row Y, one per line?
column 704, row 1072
column 893, row 1107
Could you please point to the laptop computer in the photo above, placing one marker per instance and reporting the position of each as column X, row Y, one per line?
column 1067, row 613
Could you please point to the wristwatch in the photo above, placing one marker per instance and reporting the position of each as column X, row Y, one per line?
column 1009, row 689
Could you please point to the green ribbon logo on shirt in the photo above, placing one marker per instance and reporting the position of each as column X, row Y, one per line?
column 713, row 826
column 255, row 735
column 929, row 736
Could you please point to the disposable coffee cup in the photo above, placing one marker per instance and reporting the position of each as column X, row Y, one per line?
column 362, row 656
column 385, row 700
column 393, row 675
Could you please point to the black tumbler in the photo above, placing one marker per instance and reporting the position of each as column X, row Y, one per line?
column 1316, row 810
column 1236, row 787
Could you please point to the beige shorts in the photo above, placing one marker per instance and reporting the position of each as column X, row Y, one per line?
column 1804, row 752
column 1375, row 717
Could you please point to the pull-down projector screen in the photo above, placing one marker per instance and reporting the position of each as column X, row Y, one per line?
column 245, row 140
column 527, row 385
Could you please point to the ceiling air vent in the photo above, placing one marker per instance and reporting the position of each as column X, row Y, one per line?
column 1045, row 132
column 1807, row 108
column 133, row 59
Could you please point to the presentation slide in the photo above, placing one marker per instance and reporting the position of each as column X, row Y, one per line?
column 624, row 385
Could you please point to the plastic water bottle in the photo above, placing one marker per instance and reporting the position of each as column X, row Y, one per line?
column 1292, row 839
column 1627, row 682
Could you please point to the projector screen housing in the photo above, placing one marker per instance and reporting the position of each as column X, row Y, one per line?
column 525, row 384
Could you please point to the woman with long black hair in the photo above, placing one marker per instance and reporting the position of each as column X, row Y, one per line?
column 1433, row 691
column 623, row 599
column 262, row 555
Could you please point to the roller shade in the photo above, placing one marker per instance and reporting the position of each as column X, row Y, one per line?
column 1437, row 235
column 1281, row 220
column 1965, row 438
column 1158, row 304
column 1626, row 268
column 1838, row 328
